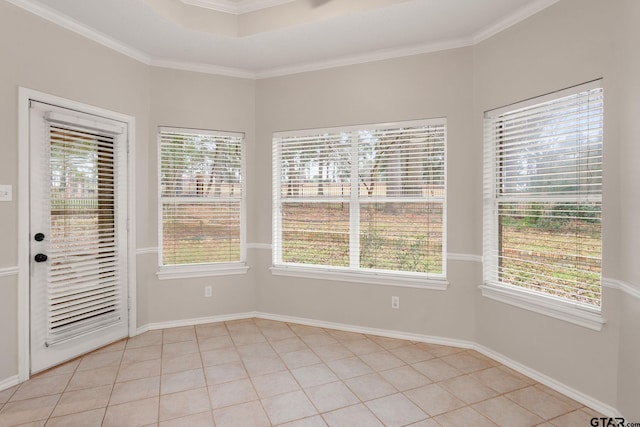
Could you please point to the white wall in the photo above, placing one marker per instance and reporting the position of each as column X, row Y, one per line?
column 569, row 43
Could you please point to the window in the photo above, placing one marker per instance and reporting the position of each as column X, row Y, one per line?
column 201, row 200
column 543, row 199
column 365, row 199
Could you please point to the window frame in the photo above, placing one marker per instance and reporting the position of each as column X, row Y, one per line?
column 586, row 315
column 205, row 269
column 350, row 274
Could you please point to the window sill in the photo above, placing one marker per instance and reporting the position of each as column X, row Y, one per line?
column 575, row 313
column 200, row 270
column 387, row 279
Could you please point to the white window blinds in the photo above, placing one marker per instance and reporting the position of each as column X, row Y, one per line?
column 543, row 195
column 362, row 198
column 201, row 197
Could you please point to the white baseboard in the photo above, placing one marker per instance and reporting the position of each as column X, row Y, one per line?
column 9, row 382
column 584, row 399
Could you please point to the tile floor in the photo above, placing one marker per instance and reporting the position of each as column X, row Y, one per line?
column 264, row 373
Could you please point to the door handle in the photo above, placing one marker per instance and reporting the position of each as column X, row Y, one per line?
column 39, row 237
column 40, row 258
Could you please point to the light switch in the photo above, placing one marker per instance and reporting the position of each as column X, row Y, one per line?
column 6, row 193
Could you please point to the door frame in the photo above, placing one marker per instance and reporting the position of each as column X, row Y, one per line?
column 26, row 95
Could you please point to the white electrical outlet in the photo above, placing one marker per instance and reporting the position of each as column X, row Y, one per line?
column 207, row 291
column 395, row 302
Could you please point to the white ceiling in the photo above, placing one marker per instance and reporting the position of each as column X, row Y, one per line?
column 263, row 38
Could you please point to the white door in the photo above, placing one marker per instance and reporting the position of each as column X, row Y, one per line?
column 78, row 218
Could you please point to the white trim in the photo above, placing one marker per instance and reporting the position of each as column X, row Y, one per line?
column 168, row 272
column 9, row 271
column 91, row 34
column 196, row 321
column 26, row 95
column 552, row 383
column 237, row 7
column 523, row 369
column 575, row 313
column 378, row 278
column 464, row 257
column 511, row 20
column 9, row 382
column 146, row 251
column 265, row 246
column 627, row 288
column 58, row 18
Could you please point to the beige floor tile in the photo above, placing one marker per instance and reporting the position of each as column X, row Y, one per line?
column 66, row 368
column 39, row 387
column 288, row 344
column 466, row 362
column 318, row 340
column 565, row 399
column 444, row 350
column 211, row 330
column 150, row 338
column 288, row 407
column 372, row 386
column 396, row 410
column 173, row 335
column 573, row 419
column 468, row 389
column 353, row 416
column 129, row 391
column 138, row 413
column 225, row 372
column 315, row 421
column 182, row 362
column 331, row 396
column 363, row 346
column 302, row 330
column 181, row 381
column 504, row 412
column 343, row 336
column 5, row 395
column 116, row 346
column 24, row 411
column 92, row 379
column 82, row 400
column 184, row 403
column 411, row 354
column 436, row 370
column 261, row 349
column 203, row 419
column 381, row 360
column 429, row 422
column 179, row 348
column 91, row 418
column 215, row 342
column 499, row 380
column 300, row 358
column 139, row 354
column 100, row 360
column 219, row 356
column 405, row 378
column 257, row 366
column 434, row 400
column 232, row 393
column 464, row 417
column 274, row 384
column 332, row 352
column 540, row 403
column 243, row 338
column 276, row 333
column 349, row 368
column 309, row 376
column 137, row 370
column 243, row 415
column 388, row 343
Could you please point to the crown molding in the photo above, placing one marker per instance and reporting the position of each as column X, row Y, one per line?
column 237, row 7
column 81, row 29
column 511, row 20
column 96, row 36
